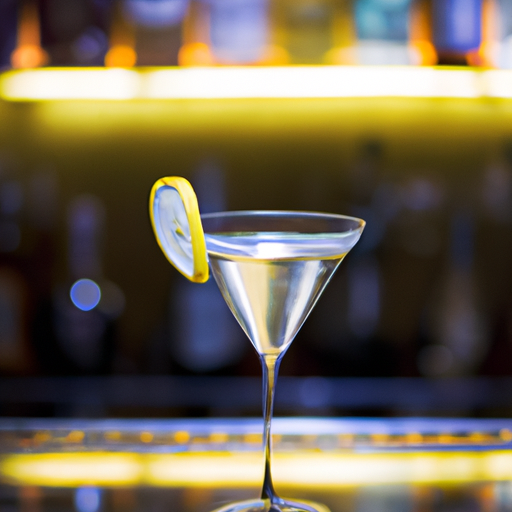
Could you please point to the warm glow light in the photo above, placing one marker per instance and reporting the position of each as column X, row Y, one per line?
column 121, row 41
column 426, row 52
column 28, row 56
column 309, row 82
column 244, row 469
column 122, row 56
column 61, row 84
column 221, row 469
column 254, row 82
column 182, row 437
column 497, row 84
column 72, row 469
column 195, row 54
column 421, row 34
column 28, row 52
column 146, row 437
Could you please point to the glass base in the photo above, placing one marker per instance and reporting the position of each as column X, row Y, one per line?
column 265, row 506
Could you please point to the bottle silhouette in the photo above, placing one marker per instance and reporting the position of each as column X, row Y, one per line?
column 75, row 330
column 204, row 336
column 15, row 301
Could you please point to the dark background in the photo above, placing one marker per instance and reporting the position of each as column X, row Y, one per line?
column 418, row 319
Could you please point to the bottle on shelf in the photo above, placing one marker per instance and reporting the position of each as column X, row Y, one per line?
column 344, row 37
column 121, row 51
column 75, row 331
column 457, row 30
column 383, row 32
column 28, row 52
column 499, row 20
column 239, row 30
column 227, row 32
column 153, row 29
column 8, row 29
column 496, row 220
column 75, row 33
column 196, row 46
column 458, row 322
column 421, row 38
column 193, row 309
column 15, row 301
column 304, row 31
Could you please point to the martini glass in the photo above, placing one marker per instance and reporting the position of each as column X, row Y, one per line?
column 271, row 268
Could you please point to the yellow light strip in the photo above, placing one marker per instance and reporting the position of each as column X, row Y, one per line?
column 253, row 82
column 59, row 84
column 73, row 469
column 244, row 469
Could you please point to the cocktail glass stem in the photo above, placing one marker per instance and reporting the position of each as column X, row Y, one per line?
column 270, row 367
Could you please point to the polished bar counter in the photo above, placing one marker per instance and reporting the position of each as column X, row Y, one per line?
column 196, row 465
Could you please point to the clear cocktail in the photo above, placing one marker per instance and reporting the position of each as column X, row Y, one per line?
column 271, row 268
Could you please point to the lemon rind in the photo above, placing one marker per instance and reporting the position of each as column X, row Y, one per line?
column 189, row 198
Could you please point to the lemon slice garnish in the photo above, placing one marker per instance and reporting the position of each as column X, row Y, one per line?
column 177, row 225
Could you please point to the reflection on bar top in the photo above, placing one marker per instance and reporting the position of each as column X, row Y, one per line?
column 309, row 452
column 253, row 82
column 324, row 434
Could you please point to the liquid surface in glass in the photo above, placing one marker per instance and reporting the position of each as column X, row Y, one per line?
column 271, row 280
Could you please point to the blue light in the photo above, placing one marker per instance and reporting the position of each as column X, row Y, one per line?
column 385, row 20
column 156, row 13
column 85, row 294
column 87, row 499
column 238, row 29
column 457, row 24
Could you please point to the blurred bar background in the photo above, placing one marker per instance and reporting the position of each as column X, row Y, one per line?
column 95, row 322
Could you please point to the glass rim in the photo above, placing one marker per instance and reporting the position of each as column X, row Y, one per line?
column 360, row 223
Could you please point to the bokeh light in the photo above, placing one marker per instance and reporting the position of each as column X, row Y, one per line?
column 85, row 294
